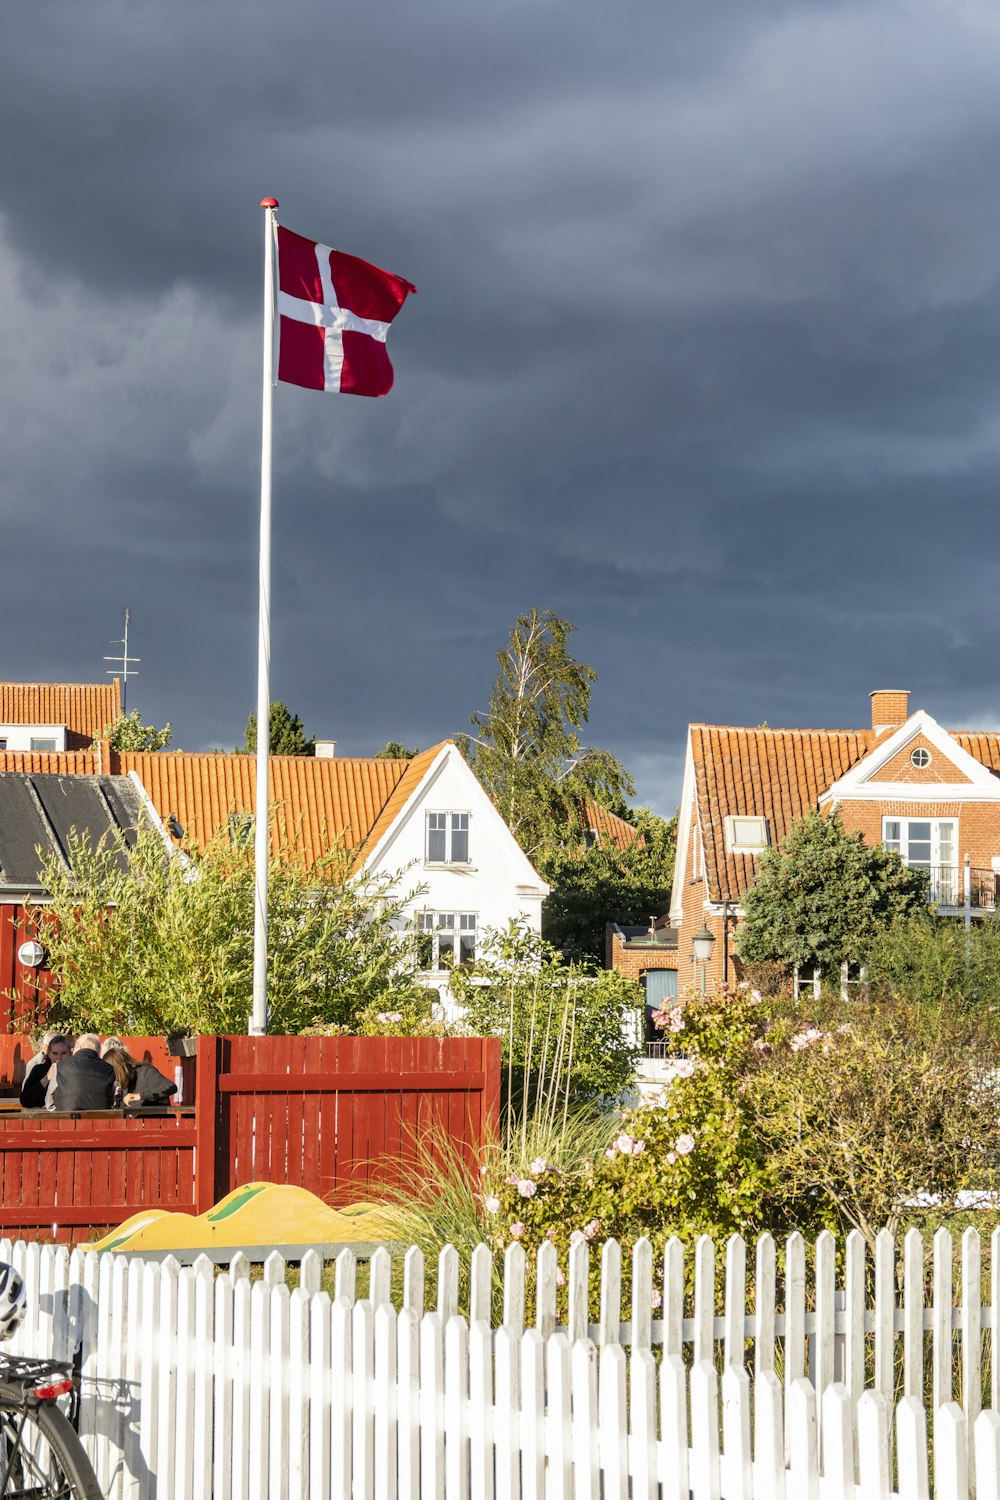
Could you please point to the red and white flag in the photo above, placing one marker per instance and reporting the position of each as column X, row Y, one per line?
column 334, row 313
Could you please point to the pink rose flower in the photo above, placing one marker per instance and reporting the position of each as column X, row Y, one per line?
column 625, row 1144
column 517, row 1230
column 538, row 1166
column 591, row 1228
column 578, row 1237
column 671, row 1158
column 684, row 1068
column 527, row 1188
column 611, row 1153
column 684, row 1144
column 550, row 1234
column 491, row 1205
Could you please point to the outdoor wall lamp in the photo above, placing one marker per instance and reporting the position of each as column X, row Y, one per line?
column 703, row 943
column 30, row 954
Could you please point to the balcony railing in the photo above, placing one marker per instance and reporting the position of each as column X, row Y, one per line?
column 960, row 885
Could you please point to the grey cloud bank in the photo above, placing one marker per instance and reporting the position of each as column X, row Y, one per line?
column 704, row 357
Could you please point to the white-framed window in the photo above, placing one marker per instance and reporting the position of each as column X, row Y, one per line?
column 928, row 844
column 446, row 939
column 808, row 982
column 920, row 758
column 447, row 838
column 746, row 835
column 853, row 981
column 43, row 742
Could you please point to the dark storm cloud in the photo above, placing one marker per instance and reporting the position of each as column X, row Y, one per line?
column 706, row 357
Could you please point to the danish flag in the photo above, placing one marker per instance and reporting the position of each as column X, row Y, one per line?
column 334, row 313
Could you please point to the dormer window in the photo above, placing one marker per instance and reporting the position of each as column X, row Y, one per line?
column 447, row 838
column 746, row 835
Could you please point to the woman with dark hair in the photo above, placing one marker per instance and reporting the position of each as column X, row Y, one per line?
column 137, row 1085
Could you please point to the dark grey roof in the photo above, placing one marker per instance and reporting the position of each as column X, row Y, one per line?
column 40, row 812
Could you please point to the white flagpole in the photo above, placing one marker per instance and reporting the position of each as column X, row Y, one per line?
column 258, row 1016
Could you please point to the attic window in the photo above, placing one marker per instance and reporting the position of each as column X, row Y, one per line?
column 920, row 758
column 746, row 835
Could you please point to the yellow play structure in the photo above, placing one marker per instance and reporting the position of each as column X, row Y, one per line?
column 261, row 1215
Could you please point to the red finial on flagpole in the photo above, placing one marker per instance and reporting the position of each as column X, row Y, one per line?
column 269, row 203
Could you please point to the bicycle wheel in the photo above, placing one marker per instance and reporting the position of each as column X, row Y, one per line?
column 41, row 1457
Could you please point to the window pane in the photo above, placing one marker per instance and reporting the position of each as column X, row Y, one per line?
column 891, row 836
column 919, row 831
column 467, row 949
column 946, row 839
column 460, row 838
column 437, row 838
column 446, row 948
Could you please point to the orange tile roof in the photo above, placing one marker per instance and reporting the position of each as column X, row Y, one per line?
column 611, row 829
column 85, row 708
column 51, row 762
column 320, row 801
column 778, row 774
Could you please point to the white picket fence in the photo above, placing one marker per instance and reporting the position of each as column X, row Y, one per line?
column 197, row 1384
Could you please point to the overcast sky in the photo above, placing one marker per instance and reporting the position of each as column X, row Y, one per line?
column 705, row 358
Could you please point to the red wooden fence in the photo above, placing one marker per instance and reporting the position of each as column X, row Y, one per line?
column 337, row 1115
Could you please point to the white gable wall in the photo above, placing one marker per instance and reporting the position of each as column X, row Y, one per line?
column 497, row 883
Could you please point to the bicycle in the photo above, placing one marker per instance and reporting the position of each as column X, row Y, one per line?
column 41, row 1456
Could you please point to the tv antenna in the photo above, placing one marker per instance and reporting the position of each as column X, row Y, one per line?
column 122, row 663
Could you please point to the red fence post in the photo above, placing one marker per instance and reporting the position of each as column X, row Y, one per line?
column 206, row 1112
column 492, row 1048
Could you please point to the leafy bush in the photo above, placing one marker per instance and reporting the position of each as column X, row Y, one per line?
column 822, row 899
column 143, row 942
column 934, row 960
column 853, row 1118
column 567, row 1035
column 880, row 1108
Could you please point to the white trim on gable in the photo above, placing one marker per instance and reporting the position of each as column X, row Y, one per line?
column 857, row 785
column 683, row 827
column 528, row 881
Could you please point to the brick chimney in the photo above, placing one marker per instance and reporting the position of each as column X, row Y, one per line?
column 890, row 709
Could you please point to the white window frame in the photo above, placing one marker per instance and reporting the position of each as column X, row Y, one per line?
column 455, row 824
column 807, row 982
column 457, row 925
column 741, row 839
column 43, row 744
column 945, row 887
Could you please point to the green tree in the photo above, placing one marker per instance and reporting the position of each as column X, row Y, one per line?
column 127, row 732
column 594, row 886
column 145, row 941
column 287, row 736
column 566, row 1034
column 395, row 750
column 824, row 897
column 934, row 961
column 526, row 747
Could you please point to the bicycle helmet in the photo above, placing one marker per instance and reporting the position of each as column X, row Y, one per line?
column 13, row 1302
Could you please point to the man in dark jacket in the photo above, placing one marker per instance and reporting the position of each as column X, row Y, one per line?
column 85, row 1080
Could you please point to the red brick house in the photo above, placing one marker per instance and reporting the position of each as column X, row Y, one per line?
column 932, row 794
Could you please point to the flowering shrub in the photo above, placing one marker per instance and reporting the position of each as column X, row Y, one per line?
column 692, row 1160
